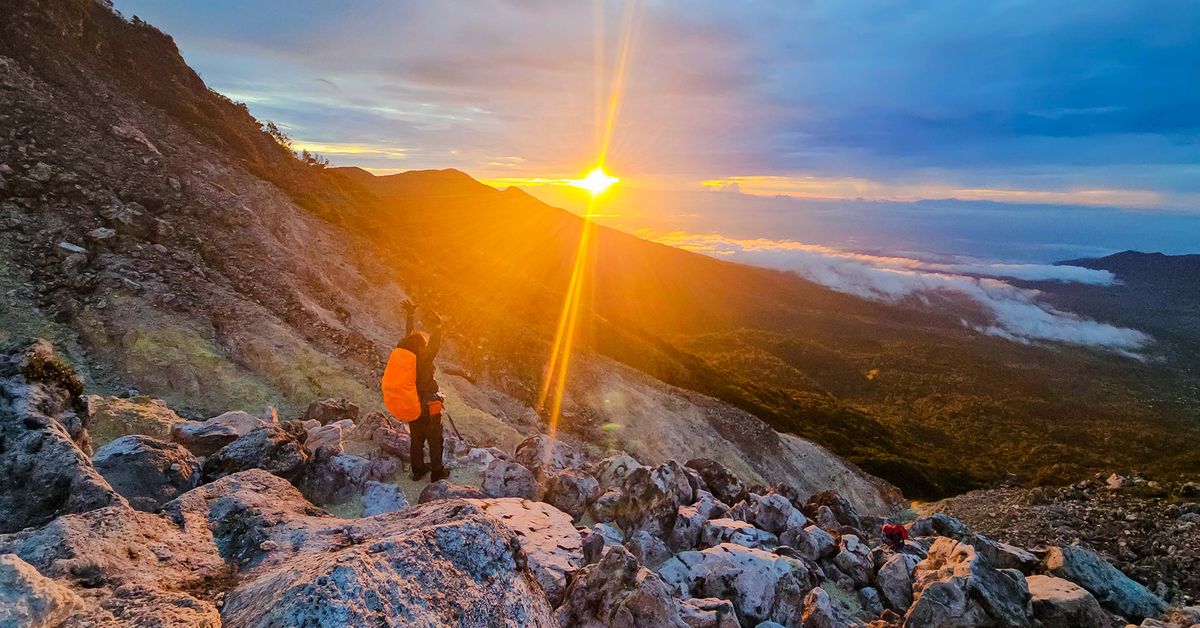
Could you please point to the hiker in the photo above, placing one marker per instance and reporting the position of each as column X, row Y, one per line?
column 894, row 535
column 411, row 393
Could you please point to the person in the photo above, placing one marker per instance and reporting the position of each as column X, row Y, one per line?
column 427, row 428
column 894, row 535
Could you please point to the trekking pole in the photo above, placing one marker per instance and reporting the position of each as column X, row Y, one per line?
column 452, row 425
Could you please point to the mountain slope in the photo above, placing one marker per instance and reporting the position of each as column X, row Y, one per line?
column 158, row 234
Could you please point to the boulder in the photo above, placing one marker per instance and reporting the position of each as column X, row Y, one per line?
column 939, row 524
column 131, row 568
column 618, row 591
column 147, row 472
column 648, row 549
column 364, row 428
column 689, row 520
column 448, row 562
column 718, row 531
column 334, row 479
column 29, row 599
column 546, row 456
column 955, row 586
column 708, row 612
column 827, row 546
column 204, row 438
column 773, row 513
column 113, row 417
column 854, row 559
column 843, row 510
column 1059, row 603
column 612, row 471
column 721, row 482
column 826, row 520
column 652, row 497
column 502, row 478
column 894, row 581
column 328, row 411
column 597, row 540
column 604, row 509
column 395, row 442
column 572, row 491
column 761, row 585
column 277, row 449
column 549, row 542
column 44, row 469
column 1002, row 555
column 330, row 437
column 819, row 612
column 443, row 489
column 380, row 498
column 1113, row 589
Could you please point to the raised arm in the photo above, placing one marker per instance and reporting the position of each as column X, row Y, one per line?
column 410, row 315
column 435, row 337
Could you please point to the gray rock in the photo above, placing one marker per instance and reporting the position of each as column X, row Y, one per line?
column 718, row 531
column 894, row 581
column 773, row 513
column 708, row 612
column 939, row 524
column 819, row 612
column 550, row 543
column 545, row 456
column 1113, row 589
column 721, row 482
column 330, row 437
column 618, row 591
column 44, row 469
column 30, row 600
column 572, row 491
column 1059, row 603
column 502, row 478
column 612, row 471
column 147, row 472
column 1002, row 555
column 648, row 549
column 205, row 438
column 652, row 497
column 956, row 586
column 854, row 560
column 277, row 449
column 443, row 489
column 393, row 441
column 762, row 586
column 334, row 479
column 843, row 510
column 604, row 509
column 827, row 546
column 328, row 411
column 380, row 498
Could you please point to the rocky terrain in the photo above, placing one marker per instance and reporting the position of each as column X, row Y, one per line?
column 217, row 522
column 1148, row 529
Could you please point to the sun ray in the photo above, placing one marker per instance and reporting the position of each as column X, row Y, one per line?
column 553, row 388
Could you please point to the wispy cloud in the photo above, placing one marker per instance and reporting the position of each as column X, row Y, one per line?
column 1015, row 313
column 814, row 187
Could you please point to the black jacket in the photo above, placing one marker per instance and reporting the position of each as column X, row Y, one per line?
column 426, row 385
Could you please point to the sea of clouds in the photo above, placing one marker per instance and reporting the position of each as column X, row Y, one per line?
column 1016, row 313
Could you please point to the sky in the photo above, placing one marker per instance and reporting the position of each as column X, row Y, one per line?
column 1007, row 132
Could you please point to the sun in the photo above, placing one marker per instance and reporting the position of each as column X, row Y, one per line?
column 596, row 181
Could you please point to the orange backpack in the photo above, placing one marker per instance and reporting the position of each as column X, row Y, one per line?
column 399, row 385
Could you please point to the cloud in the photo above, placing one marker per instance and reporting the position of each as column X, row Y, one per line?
column 1011, row 312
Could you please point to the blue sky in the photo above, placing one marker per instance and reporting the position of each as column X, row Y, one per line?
column 1033, row 104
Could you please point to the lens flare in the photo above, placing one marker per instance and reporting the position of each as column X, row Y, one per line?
column 554, row 381
column 596, row 181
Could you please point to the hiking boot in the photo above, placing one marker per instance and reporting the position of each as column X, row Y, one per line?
column 417, row 474
column 440, row 474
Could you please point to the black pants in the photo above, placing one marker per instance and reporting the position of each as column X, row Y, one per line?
column 426, row 429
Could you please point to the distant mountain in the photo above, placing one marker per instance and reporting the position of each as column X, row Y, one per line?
column 1180, row 273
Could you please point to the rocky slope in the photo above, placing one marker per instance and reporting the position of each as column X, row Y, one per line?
column 214, row 525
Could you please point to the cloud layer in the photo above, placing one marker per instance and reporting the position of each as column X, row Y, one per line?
column 1012, row 312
